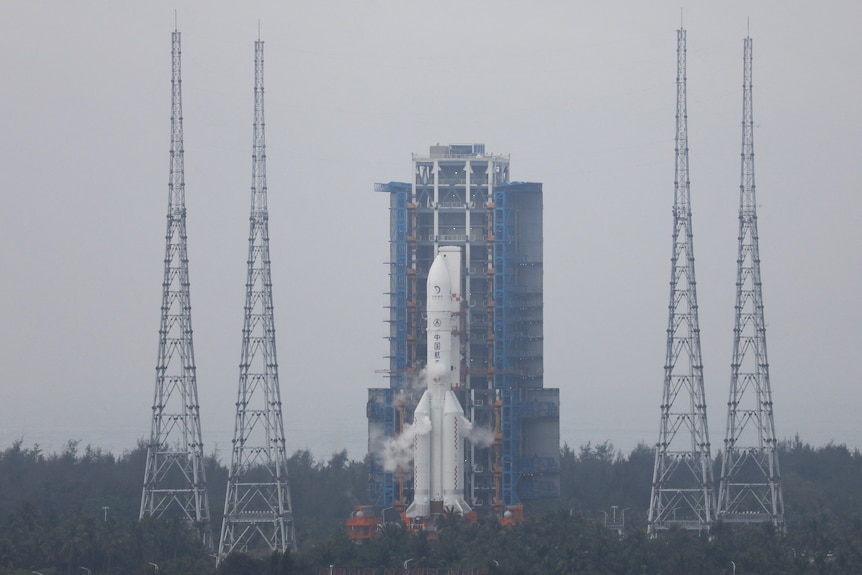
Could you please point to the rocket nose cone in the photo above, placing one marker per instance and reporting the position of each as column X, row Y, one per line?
column 439, row 282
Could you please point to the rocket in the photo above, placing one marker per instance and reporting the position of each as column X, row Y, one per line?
column 438, row 444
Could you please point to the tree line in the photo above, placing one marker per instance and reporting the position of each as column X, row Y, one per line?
column 76, row 511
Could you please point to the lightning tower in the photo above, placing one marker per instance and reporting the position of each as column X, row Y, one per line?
column 750, row 487
column 682, row 485
column 174, row 479
column 258, row 515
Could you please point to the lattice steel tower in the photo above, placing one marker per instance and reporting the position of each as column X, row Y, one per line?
column 750, row 488
column 682, row 485
column 174, row 479
column 258, row 515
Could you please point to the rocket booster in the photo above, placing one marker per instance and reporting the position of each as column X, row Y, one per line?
column 438, row 454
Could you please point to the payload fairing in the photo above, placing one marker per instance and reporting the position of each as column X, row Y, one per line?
column 438, row 444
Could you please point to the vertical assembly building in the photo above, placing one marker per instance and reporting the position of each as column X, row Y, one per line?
column 461, row 196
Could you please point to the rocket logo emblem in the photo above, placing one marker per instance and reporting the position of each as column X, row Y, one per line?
column 436, row 290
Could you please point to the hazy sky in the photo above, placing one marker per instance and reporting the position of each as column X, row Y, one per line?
column 581, row 94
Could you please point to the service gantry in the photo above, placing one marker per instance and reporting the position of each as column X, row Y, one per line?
column 175, row 478
column 258, row 515
column 750, row 487
column 682, row 485
column 460, row 195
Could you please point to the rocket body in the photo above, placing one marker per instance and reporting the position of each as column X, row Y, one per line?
column 438, row 444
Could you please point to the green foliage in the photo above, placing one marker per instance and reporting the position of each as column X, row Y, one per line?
column 52, row 520
column 74, row 509
column 324, row 493
column 597, row 478
column 66, row 544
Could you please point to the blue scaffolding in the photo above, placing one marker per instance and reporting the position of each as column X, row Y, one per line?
column 504, row 276
column 398, row 280
column 513, row 372
column 383, row 486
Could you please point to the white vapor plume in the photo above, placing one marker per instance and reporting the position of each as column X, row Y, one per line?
column 417, row 380
column 397, row 452
column 478, row 436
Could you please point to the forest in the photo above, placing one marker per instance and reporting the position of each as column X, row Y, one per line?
column 76, row 511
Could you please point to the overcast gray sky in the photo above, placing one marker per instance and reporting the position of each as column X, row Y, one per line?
column 581, row 94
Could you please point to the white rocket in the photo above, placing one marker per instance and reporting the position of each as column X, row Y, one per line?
column 438, row 453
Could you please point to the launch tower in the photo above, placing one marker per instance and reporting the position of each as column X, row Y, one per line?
column 461, row 196
column 682, row 485
column 174, row 478
column 750, row 488
column 258, row 516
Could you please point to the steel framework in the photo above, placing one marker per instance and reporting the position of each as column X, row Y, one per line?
column 460, row 195
column 175, row 478
column 750, row 488
column 258, row 515
column 682, row 485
